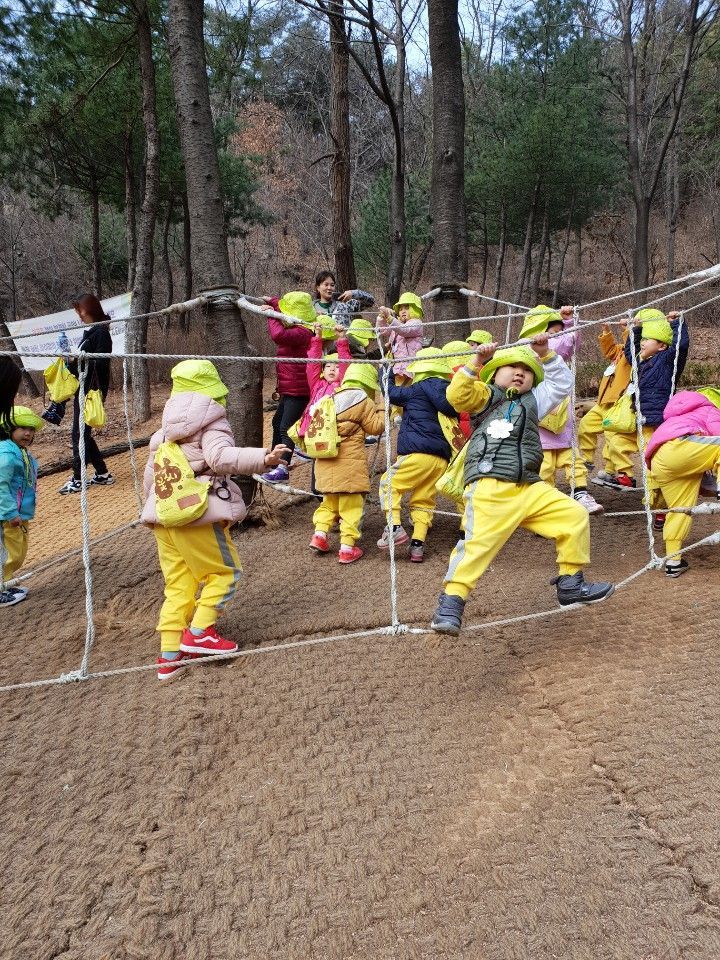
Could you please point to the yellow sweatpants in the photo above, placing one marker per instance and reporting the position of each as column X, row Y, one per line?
column 677, row 469
column 621, row 447
column 194, row 558
column 589, row 430
column 494, row 509
column 348, row 508
column 14, row 547
column 416, row 474
column 554, row 460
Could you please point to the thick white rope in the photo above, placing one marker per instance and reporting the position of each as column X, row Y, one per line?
column 90, row 629
column 389, row 470
column 133, row 456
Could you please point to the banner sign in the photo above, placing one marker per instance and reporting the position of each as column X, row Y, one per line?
column 46, row 330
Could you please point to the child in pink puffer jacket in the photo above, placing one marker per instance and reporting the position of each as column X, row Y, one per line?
column 199, row 555
column 324, row 378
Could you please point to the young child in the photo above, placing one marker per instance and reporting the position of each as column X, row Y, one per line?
column 422, row 447
column 458, row 352
column 342, row 308
column 515, row 388
column 293, row 340
column 477, row 338
column 200, row 555
column 403, row 333
column 344, row 480
column 680, row 451
column 18, row 483
column 324, row 379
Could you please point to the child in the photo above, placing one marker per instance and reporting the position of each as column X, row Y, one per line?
column 293, row 340
column 682, row 448
column 340, row 308
column 477, row 338
column 404, row 333
column 324, row 379
column 344, row 480
column 517, row 386
column 18, row 483
column 457, row 353
column 200, row 555
column 422, row 447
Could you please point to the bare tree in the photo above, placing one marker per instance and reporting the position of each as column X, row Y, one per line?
column 340, row 136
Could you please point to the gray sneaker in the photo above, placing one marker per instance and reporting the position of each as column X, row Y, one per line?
column 448, row 616
column 417, row 552
column 572, row 588
column 399, row 536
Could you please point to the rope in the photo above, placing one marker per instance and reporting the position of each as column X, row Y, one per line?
column 388, row 486
column 90, row 629
column 133, row 456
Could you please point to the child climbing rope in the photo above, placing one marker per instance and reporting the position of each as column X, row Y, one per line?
column 403, row 331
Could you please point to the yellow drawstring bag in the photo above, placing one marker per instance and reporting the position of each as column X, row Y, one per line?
column 94, row 409
column 61, row 384
column 180, row 497
column 321, row 437
column 450, row 427
column 451, row 483
column 620, row 418
column 557, row 419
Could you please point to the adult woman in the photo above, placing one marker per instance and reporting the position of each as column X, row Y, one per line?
column 10, row 377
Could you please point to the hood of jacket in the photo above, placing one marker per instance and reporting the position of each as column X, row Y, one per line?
column 186, row 414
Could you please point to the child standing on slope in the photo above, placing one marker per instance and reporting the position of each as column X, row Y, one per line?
column 198, row 555
column 403, row 331
column 325, row 378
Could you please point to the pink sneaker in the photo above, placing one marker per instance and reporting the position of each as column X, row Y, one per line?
column 166, row 668
column 320, row 543
column 208, row 642
column 349, row 556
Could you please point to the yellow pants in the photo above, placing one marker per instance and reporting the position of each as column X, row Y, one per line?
column 677, row 469
column 13, row 547
column 554, row 460
column 194, row 558
column 348, row 508
column 416, row 474
column 589, row 430
column 494, row 509
column 621, row 447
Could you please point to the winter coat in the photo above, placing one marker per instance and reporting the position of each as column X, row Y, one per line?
column 18, row 482
column 200, row 426
column 655, row 374
column 96, row 339
column 356, row 417
column 687, row 414
column 564, row 346
column 292, row 341
column 317, row 384
column 613, row 385
column 341, row 311
column 404, row 340
column 420, row 430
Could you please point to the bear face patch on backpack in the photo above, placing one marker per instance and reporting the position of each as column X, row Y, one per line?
column 180, row 498
column 321, row 437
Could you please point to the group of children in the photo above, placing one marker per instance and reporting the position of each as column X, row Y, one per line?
column 500, row 418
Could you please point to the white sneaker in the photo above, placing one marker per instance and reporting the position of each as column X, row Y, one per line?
column 589, row 502
column 400, row 536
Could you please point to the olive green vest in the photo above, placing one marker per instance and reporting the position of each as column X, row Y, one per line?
column 515, row 458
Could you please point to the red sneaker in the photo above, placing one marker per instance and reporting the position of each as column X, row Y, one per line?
column 166, row 668
column 624, row 482
column 208, row 642
column 350, row 556
column 659, row 521
column 320, row 543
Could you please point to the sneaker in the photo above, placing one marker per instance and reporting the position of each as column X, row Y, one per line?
column 20, row 591
column 676, row 568
column 8, row 598
column 397, row 421
column 590, row 465
column 604, row 479
column 208, row 642
column 370, row 440
column 399, row 536
column 623, row 482
column 349, row 554
column 72, row 486
column 166, row 668
column 102, row 479
column 299, row 458
column 708, row 485
column 588, row 501
column 320, row 543
column 572, row 588
column 279, row 475
column 448, row 616
column 659, row 521
column 417, row 551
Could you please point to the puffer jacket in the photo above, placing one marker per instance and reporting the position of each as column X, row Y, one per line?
column 420, row 430
column 18, row 482
column 404, row 340
column 291, row 341
column 95, row 339
column 613, row 384
column 655, row 375
column 564, row 346
column 356, row 416
column 687, row 414
column 200, row 426
column 318, row 385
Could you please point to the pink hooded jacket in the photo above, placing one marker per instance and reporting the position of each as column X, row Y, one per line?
column 405, row 339
column 564, row 346
column 200, row 425
column 687, row 414
column 318, row 385
column 292, row 341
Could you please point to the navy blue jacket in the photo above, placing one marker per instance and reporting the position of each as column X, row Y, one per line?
column 655, row 375
column 420, row 431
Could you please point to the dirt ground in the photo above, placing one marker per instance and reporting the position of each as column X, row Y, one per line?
column 546, row 790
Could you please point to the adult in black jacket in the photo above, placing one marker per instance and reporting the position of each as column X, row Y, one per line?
column 96, row 339
column 10, row 376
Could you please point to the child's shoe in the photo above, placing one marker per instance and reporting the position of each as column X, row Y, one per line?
column 54, row 413
column 19, row 591
column 572, row 588
column 208, row 642
column 448, row 616
column 417, row 551
column 8, row 598
column 396, row 533
column 349, row 554
column 623, row 482
column 676, row 568
column 709, row 486
column 72, row 486
column 659, row 521
column 103, row 479
column 588, row 501
column 604, row 479
column 166, row 668
column 320, row 543
column 280, row 474
column 371, row 439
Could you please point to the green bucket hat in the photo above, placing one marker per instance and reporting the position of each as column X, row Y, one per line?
column 429, row 362
column 363, row 376
column 331, row 358
column 413, row 301
column 655, row 325
column 24, row 417
column 503, row 358
column 480, row 337
column 299, row 305
column 361, row 330
column 197, row 376
column 456, row 351
column 538, row 320
column 712, row 394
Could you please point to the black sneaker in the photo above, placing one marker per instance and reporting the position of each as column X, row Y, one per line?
column 676, row 569
column 72, row 486
column 572, row 588
column 102, row 479
column 448, row 616
column 8, row 598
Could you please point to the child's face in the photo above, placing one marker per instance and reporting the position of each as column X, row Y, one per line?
column 404, row 313
column 556, row 327
column 331, row 371
column 515, row 375
column 649, row 347
column 23, row 436
column 326, row 289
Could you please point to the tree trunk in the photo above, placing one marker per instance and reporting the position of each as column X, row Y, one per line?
column 187, row 261
column 641, row 262
column 398, row 220
column 527, row 249
column 447, row 190
column 565, row 247
column 540, row 259
column 130, row 224
column 95, row 242
column 501, row 252
column 340, row 135
column 673, row 204
column 210, row 257
column 485, row 254
column 167, row 266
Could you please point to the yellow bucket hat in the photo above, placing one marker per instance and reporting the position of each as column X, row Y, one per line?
column 480, row 337
column 299, row 305
column 503, row 358
column 413, row 301
column 429, row 362
column 538, row 320
column 197, row 376
column 331, row 358
column 362, row 375
column 362, row 330
column 24, row 417
column 456, row 351
column 655, row 325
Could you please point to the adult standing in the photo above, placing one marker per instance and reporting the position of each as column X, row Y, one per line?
column 10, row 377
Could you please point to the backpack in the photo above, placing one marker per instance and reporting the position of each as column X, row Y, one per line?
column 450, row 427
column 321, row 437
column 180, row 497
